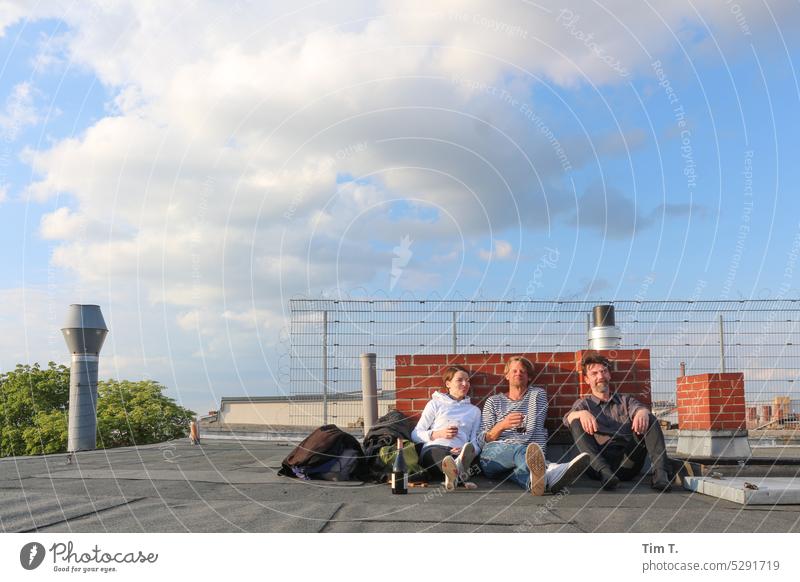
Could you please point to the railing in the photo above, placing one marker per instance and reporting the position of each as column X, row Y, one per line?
column 757, row 337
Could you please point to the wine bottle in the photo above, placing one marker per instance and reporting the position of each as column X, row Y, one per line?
column 399, row 472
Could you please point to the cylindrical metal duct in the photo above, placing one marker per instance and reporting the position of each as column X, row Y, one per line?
column 603, row 316
column 369, row 390
column 84, row 331
column 604, row 334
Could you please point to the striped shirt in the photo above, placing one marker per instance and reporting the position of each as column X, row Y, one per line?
column 533, row 405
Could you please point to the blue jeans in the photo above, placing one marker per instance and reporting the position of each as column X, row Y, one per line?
column 497, row 459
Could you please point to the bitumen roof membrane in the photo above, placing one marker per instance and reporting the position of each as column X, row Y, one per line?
column 233, row 486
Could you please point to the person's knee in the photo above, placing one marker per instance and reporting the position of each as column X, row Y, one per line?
column 575, row 427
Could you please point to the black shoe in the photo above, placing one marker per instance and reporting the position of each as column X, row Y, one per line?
column 661, row 483
column 608, row 480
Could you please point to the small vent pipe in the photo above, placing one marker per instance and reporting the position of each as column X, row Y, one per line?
column 604, row 334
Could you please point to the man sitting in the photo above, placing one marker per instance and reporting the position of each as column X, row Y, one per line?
column 616, row 430
column 514, row 437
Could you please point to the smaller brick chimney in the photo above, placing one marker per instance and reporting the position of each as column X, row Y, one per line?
column 712, row 416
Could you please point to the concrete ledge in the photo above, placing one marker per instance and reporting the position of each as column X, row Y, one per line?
column 719, row 444
column 748, row 491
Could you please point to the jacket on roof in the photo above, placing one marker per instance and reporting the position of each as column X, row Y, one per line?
column 386, row 431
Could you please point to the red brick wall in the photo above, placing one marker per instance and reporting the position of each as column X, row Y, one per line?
column 418, row 377
column 711, row 402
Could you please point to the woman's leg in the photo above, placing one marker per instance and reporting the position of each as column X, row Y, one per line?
column 432, row 461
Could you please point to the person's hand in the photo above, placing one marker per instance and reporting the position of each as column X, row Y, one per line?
column 449, row 432
column 588, row 422
column 513, row 420
column 455, row 450
column 641, row 421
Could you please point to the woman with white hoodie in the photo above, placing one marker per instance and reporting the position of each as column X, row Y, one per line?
column 449, row 428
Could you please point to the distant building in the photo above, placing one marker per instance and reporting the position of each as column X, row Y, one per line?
column 344, row 410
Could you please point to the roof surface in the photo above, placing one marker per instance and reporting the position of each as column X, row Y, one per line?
column 232, row 486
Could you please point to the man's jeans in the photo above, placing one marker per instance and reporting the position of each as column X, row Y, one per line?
column 497, row 459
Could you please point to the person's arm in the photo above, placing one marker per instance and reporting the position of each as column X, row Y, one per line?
column 580, row 413
column 639, row 415
column 539, row 411
column 488, row 420
column 508, row 422
column 474, row 430
column 422, row 433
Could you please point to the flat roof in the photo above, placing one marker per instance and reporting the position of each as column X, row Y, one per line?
column 232, row 486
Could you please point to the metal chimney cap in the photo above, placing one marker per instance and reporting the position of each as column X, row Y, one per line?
column 84, row 317
column 84, row 329
column 603, row 315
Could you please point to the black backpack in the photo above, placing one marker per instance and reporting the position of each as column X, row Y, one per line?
column 327, row 453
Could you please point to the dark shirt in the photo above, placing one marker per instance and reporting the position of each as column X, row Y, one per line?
column 613, row 416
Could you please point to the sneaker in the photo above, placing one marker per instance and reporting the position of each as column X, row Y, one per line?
column 450, row 473
column 565, row 474
column 468, row 485
column 464, row 461
column 534, row 458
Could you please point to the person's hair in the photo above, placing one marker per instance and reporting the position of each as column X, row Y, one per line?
column 594, row 358
column 524, row 361
column 451, row 371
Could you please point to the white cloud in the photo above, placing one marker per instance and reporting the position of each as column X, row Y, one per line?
column 218, row 184
column 500, row 250
column 19, row 112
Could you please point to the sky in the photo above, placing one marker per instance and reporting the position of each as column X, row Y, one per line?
column 191, row 166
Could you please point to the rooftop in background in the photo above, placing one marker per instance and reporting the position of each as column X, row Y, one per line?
column 232, row 486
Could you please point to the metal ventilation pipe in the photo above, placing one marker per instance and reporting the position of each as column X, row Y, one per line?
column 369, row 390
column 604, row 334
column 84, row 331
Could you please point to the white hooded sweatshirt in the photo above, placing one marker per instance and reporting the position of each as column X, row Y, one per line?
column 443, row 411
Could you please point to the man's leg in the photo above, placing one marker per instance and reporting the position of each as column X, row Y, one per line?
column 599, row 467
column 498, row 459
column 657, row 451
column 559, row 476
column 632, row 456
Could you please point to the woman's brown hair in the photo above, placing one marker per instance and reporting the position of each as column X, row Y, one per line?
column 451, row 371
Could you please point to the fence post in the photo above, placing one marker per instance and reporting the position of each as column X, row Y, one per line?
column 369, row 390
column 455, row 334
column 721, row 346
column 588, row 330
column 325, row 367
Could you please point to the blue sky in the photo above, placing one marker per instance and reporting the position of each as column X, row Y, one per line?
column 193, row 177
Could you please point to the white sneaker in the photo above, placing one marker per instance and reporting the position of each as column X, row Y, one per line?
column 464, row 462
column 450, row 473
column 561, row 475
column 534, row 458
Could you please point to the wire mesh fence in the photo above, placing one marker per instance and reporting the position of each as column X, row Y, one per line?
column 756, row 337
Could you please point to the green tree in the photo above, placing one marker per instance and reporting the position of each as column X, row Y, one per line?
column 48, row 433
column 26, row 393
column 137, row 413
column 34, row 408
